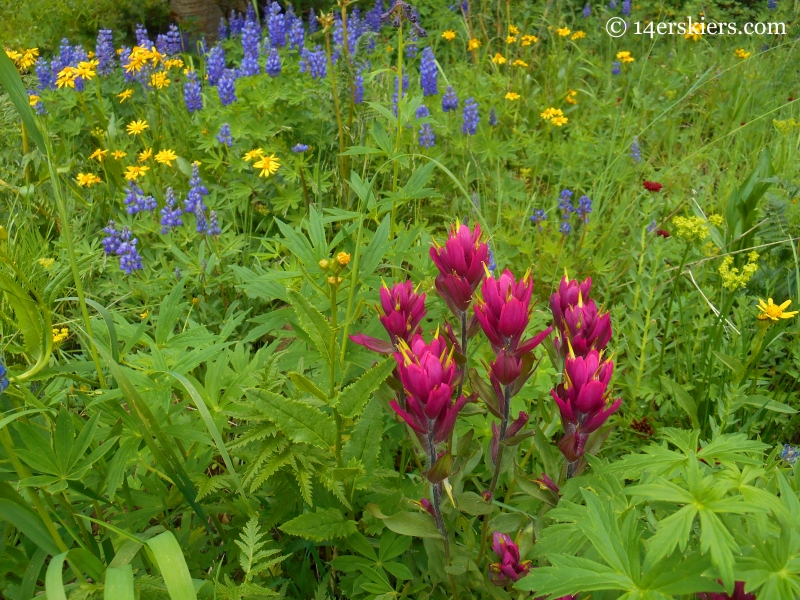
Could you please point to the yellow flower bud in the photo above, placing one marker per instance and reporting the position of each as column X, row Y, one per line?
column 343, row 258
column 324, row 264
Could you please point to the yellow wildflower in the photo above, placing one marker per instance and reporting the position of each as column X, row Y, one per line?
column 512, row 96
column 159, row 80
column 527, row 40
column 449, row 35
column 46, row 262
column 87, row 179
column 578, row 35
column 572, row 97
column 33, row 99
column 519, row 63
column 66, row 77
column 731, row 278
column 563, row 31
column 716, row 220
column 136, row 127
column 513, row 29
column 137, row 59
column 124, row 95
column 59, row 335
column 549, row 113
column 693, row 229
column 741, row 53
column 173, row 63
column 143, row 315
column 695, row 32
column 559, row 121
column 499, row 59
column 510, row 39
column 625, row 56
column 343, row 258
column 145, row 155
column 474, row 44
column 86, row 69
column 98, row 155
column 166, row 156
column 13, row 55
column 133, row 172
column 253, row 154
column 770, row 310
column 119, row 154
column 268, row 165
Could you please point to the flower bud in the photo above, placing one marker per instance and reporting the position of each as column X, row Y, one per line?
column 343, row 258
column 324, row 264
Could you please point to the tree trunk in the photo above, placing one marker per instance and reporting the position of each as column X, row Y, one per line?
column 200, row 16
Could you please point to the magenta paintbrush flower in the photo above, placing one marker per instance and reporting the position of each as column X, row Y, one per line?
column 738, row 594
column 461, row 266
column 583, row 400
column 402, row 310
column 579, row 322
column 508, row 568
column 429, row 377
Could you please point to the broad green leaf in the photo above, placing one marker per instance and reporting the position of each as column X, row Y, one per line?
column 297, row 244
column 407, row 523
column 304, row 384
column 29, row 523
column 53, row 582
column 28, row 315
column 683, row 399
column 763, row 402
column 373, row 254
column 323, row 524
column 119, row 583
column 364, row 444
column 571, row 574
column 300, row 422
column 28, row 586
column 169, row 312
column 360, row 150
column 12, row 82
column 352, row 398
column 172, row 564
column 313, row 323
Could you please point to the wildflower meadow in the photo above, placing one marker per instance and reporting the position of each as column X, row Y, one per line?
column 385, row 300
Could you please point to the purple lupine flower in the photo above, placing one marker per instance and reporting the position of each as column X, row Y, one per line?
column 491, row 263
column 300, row 148
column 612, row 5
column 565, row 202
column 297, row 35
column 587, row 11
column 112, row 240
column 358, row 89
column 124, row 60
column 200, row 218
column 354, row 30
column 65, row 53
column 129, row 258
column 470, row 117
column 236, row 21
column 197, row 191
column 104, row 52
column 428, row 73
column 615, row 68
column 273, row 66
column 626, row 8
column 636, row 153
column 652, row 227
column 584, row 208
column 449, row 100
column 215, row 65
column 222, row 31
column 315, row 62
column 251, row 36
column 538, row 217
column 170, row 214
column 192, row 93
column 373, row 17
column 224, row 136
column 174, row 40
column 427, row 139
column 565, row 227
column 136, row 201
column 492, row 117
column 213, row 224
column 226, row 87
column 312, row 21
column 142, row 37
column 44, row 74
column 162, row 43
column 276, row 25
column 772, row 4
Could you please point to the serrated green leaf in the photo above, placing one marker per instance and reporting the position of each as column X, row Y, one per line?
column 364, row 444
column 352, row 398
column 299, row 422
column 313, row 323
column 304, row 384
column 323, row 524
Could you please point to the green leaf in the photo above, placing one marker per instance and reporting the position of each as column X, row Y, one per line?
column 27, row 588
column 28, row 315
column 373, row 254
column 29, row 523
column 300, row 422
column 324, row 524
column 360, row 150
column 172, row 564
column 570, row 574
column 763, row 402
column 297, row 244
column 354, row 396
column 169, row 312
column 53, row 582
column 119, row 583
column 313, row 323
column 683, row 399
column 304, row 384
column 364, row 444
column 12, row 82
column 407, row 523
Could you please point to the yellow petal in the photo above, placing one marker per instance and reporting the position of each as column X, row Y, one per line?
column 786, row 304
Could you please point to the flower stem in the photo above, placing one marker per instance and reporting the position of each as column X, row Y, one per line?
column 399, row 125
column 436, row 496
column 669, row 308
column 336, row 110
column 464, row 343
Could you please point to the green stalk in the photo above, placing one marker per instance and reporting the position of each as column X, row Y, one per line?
column 436, row 496
column 336, row 110
column 353, row 277
column 399, row 125
column 337, row 449
column 669, row 308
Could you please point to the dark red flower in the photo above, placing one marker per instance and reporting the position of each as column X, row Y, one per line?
column 663, row 233
column 652, row 186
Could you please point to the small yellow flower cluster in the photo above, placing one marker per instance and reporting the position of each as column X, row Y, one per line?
column 499, row 59
column 732, row 279
column 59, row 335
column 511, row 39
column 171, row 63
column 159, row 80
column 332, row 268
column 87, row 179
column 268, row 164
column 572, row 97
column 140, row 56
column 773, row 312
column 786, row 125
column 513, row 30
column 46, row 262
column 578, row 35
column 24, row 58
column 695, row 32
column 554, row 116
column 119, row 154
column 527, row 40
column 716, row 220
column 692, row 229
column 625, row 56
column 449, row 35
column 741, row 53
column 563, row 31
column 474, row 44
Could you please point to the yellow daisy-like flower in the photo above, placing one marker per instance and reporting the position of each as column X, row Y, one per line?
column 253, row 154
column 143, row 315
column 145, row 155
column 46, row 262
column 66, row 77
column 474, row 44
column 13, row 55
column 86, row 69
column 136, row 127
column 572, row 97
column 98, row 155
column 268, row 165
column 625, row 56
column 510, row 39
column 559, row 121
column 87, row 179
column 159, row 80
column 563, row 31
column 741, row 53
column 137, row 59
column 171, row 63
column 519, row 63
column 33, row 99
column 124, row 95
column 119, row 154
column 527, row 40
column 133, row 173
column 549, row 113
column 449, row 35
column 499, row 59
column 343, row 258
column 695, row 32
column 578, row 35
column 513, row 29
column 773, row 312
column 512, row 96
column 165, row 157
column 27, row 58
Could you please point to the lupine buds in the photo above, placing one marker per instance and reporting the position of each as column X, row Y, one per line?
column 583, row 400
column 461, row 266
column 429, row 376
column 402, row 311
column 509, row 568
column 578, row 319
